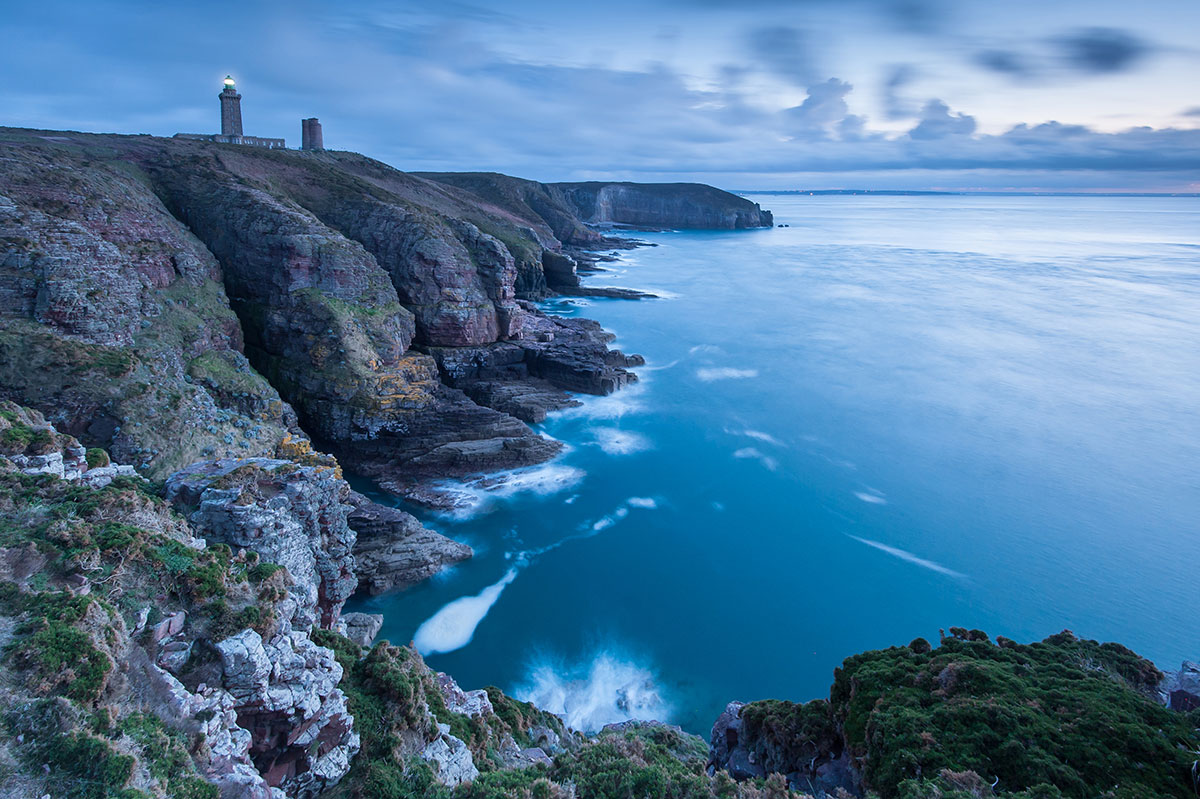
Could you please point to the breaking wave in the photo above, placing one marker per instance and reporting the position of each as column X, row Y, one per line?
column 477, row 497
column 614, row 406
column 606, row 690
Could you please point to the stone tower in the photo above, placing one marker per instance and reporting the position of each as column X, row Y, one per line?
column 231, row 109
column 310, row 134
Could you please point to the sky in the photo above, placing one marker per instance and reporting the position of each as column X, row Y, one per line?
column 1085, row 95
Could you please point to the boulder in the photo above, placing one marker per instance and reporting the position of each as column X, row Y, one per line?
column 361, row 628
column 450, row 758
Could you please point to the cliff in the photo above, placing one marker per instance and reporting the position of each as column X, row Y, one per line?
column 565, row 210
column 662, row 205
column 173, row 301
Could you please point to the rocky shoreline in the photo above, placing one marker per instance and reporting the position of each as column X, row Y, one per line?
column 196, row 338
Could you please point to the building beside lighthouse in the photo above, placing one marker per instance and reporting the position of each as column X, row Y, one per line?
column 231, row 123
column 310, row 135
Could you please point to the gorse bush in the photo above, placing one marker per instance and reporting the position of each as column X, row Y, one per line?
column 1063, row 717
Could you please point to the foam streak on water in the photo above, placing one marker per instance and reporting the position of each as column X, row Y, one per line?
column 910, row 558
column 454, row 625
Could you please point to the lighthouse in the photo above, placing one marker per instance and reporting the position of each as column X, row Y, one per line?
column 231, row 123
column 231, row 109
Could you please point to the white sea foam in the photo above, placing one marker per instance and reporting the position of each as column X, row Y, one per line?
column 476, row 497
column 909, row 557
column 454, row 625
column 873, row 497
column 606, row 690
column 756, row 454
column 761, row 436
column 619, row 442
column 626, row 401
column 642, row 502
column 705, row 349
column 709, row 374
column 757, row 435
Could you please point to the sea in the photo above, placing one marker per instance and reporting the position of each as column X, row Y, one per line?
column 891, row 416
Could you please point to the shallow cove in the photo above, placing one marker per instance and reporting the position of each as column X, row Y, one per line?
column 896, row 415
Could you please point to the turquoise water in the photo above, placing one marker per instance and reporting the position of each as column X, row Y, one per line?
column 896, row 415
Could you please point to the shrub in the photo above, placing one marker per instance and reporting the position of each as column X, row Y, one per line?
column 1064, row 712
column 96, row 458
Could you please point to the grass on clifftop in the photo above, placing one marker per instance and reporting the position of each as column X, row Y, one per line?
column 1062, row 718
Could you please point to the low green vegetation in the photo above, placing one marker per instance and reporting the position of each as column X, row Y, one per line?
column 68, row 718
column 1063, row 717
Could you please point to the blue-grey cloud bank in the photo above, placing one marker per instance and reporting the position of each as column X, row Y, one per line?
column 755, row 94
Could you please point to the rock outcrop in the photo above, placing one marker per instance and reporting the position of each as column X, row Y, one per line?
column 1180, row 690
column 969, row 715
column 290, row 515
column 393, row 550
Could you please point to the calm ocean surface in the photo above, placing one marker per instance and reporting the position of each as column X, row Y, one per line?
column 898, row 414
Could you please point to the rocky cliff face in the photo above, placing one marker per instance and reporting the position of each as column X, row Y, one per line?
column 662, row 205
column 137, row 271
column 114, row 318
column 145, row 657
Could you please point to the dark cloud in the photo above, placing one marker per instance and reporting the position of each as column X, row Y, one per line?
column 1101, row 50
column 937, row 122
column 895, row 105
column 786, row 51
column 1192, row 112
column 1006, row 62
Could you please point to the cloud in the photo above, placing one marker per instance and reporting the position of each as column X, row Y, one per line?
column 1191, row 112
column 1101, row 50
column 895, row 106
column 786, row 51
column 824, row 107
column 1006, row 62
column 426, row 90
column 937, row 122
